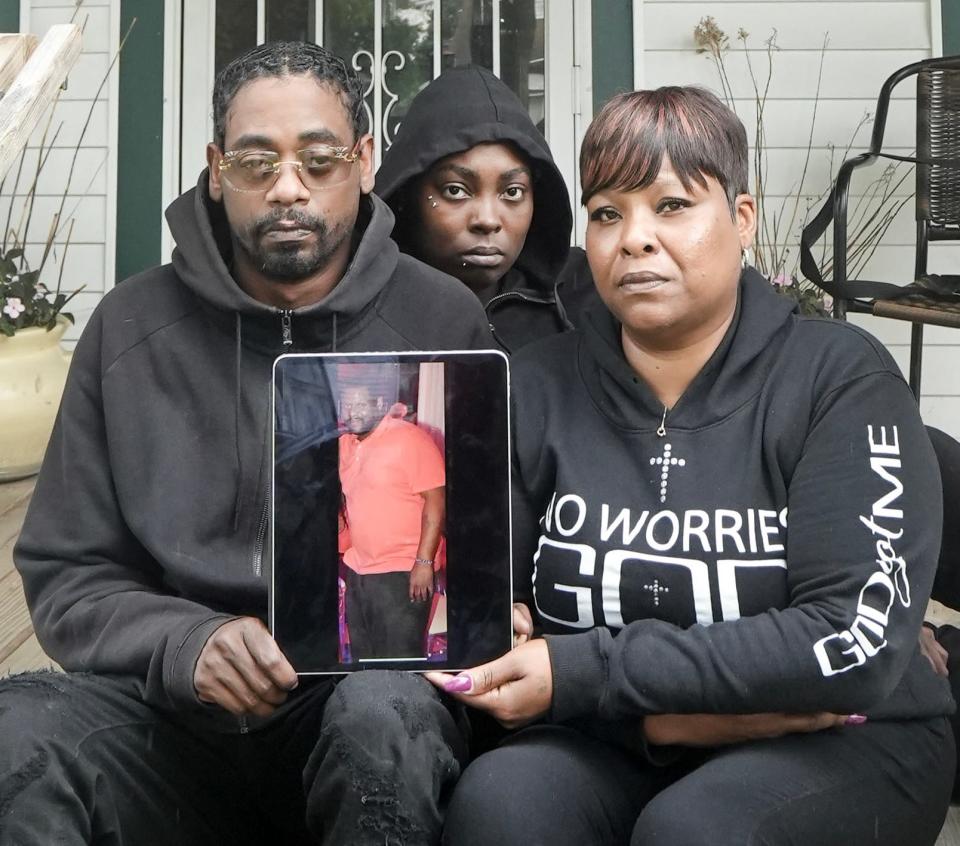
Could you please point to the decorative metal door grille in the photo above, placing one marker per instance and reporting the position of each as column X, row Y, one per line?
column 398, row 46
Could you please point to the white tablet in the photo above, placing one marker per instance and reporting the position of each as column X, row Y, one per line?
column 391, row 510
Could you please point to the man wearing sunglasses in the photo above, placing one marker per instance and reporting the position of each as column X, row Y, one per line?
column 179, row 719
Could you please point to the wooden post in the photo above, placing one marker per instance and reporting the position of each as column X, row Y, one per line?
column 15, row 49
column 34, row 88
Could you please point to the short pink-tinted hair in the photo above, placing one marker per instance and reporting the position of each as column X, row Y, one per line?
column 626, row 142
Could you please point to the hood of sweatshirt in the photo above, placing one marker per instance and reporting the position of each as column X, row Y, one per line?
column 464, row 107
column 732, row 376
column 203, row 256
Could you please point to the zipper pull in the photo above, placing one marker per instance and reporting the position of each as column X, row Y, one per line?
column 662, row 429
column 286, row 320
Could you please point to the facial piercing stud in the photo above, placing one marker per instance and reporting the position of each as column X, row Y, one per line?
column 433, row 202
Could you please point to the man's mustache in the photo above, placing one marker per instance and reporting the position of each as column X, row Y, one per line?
column 301, row 219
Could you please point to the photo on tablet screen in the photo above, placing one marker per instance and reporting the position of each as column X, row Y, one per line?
column 391, row 515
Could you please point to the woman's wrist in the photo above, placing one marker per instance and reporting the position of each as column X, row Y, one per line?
column 425, row 561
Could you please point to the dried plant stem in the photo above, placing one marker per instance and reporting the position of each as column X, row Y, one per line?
column 868, row 241
column 806, row 158
column 778, row 227
column 49, row 242
column 63, row 257
column 27, row 210
column 26, row 215
column 13, row 195
column 86, row 123
column 94, row 174
column 715, row 50
column 43, row 307
column 826, row 258
column 766, row 232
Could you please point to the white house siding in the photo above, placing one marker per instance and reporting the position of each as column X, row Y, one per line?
column 91, row 203
column 867, row 42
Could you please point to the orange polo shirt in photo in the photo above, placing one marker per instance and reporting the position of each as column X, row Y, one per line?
column 382, row 478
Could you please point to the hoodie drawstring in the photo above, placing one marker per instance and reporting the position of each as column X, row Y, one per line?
column 333, row 339
column 238, row 334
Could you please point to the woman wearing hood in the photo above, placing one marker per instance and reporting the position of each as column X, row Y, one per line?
column 477, row 195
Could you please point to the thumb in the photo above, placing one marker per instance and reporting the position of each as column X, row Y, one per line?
column 522, row 622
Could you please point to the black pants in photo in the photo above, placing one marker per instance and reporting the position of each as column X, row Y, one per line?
column 368, row 760
column 880, row 783
column 382, row 621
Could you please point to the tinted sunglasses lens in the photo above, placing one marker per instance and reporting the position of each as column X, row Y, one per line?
column 321, row 169
column 251, row 172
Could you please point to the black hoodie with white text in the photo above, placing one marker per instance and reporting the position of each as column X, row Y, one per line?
column 766, row 545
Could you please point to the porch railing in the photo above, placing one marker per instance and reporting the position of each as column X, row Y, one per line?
column 30, row 75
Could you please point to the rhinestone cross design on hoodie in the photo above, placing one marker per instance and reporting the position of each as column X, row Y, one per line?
column 666, row 461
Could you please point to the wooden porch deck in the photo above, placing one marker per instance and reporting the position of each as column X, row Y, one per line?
column 20, row 651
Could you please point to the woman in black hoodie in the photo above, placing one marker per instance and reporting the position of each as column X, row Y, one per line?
column 476, row 194
column 726, row 520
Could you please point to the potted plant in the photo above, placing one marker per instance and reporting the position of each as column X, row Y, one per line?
column 33, row 367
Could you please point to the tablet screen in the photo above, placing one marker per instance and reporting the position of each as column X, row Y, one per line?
column 391, row 510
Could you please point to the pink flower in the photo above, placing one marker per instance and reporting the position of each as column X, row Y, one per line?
column 781, row 280
column 14, row 307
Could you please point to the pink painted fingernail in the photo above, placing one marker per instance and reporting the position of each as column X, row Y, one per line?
column 459, row 684
column 855, row 720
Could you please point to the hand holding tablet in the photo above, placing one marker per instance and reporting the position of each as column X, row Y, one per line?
column 391, row 514
column 515, row 689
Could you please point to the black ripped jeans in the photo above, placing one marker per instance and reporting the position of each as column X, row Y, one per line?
column 370, row 759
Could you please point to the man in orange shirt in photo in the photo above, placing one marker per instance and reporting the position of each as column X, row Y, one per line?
column 392, row 477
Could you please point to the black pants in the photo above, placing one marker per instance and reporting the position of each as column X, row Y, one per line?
column 369, row 760
column 382, row 620
column 883, row 784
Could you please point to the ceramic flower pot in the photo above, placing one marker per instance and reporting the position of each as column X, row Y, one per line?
column 33, row 369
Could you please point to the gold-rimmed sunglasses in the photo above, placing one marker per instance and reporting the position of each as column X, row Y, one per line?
column 257, row 171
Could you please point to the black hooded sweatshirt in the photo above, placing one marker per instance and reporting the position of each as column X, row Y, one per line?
column 769, row 544
column 148, row 524
column 461, row 108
